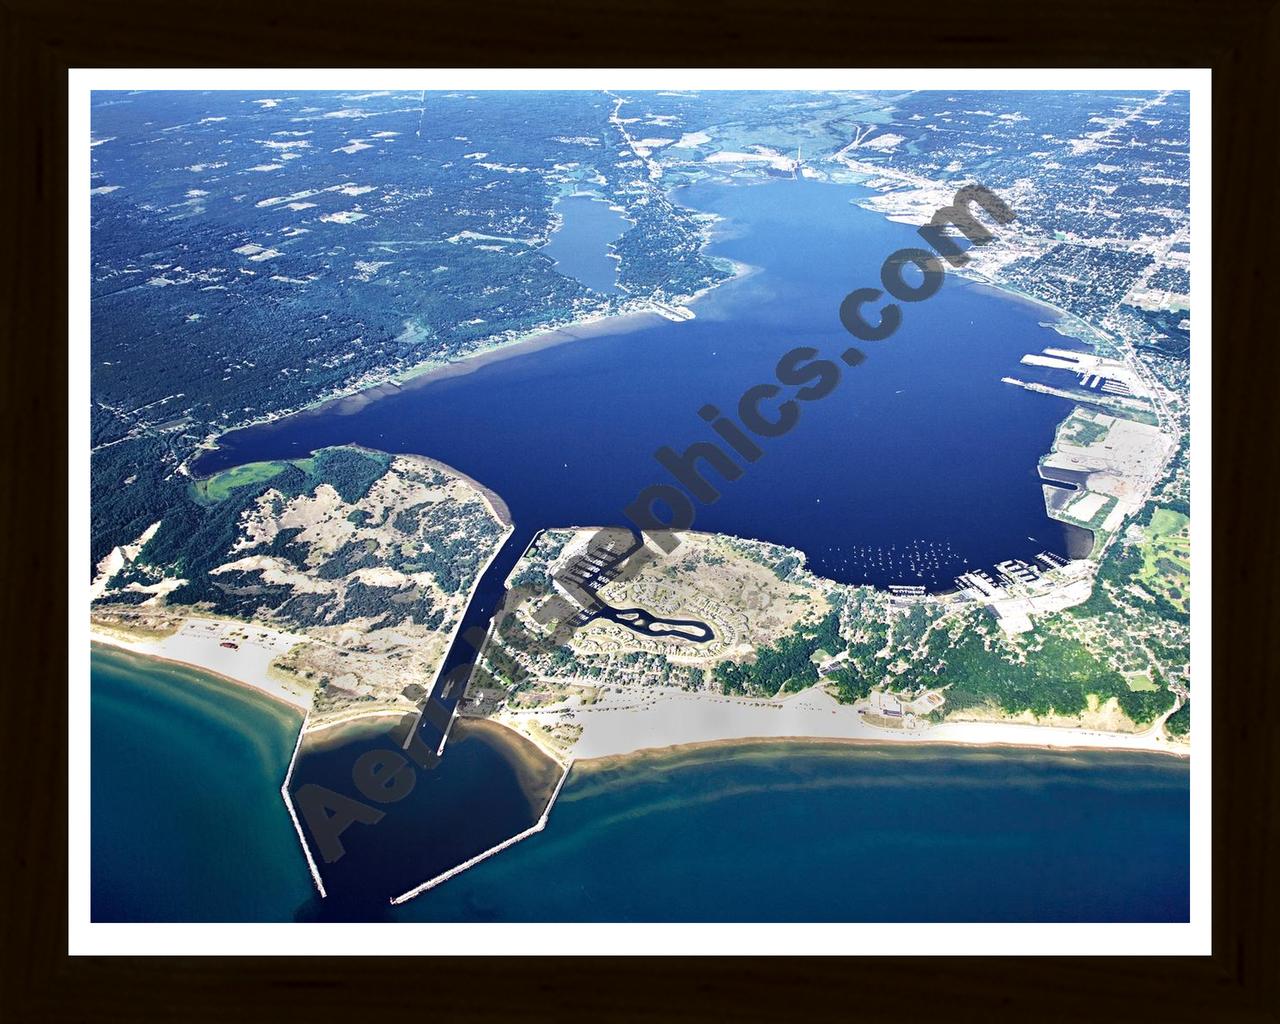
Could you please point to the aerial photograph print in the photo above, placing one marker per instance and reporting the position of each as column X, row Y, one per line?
column 689, row 503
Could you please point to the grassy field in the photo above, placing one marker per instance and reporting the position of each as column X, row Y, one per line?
column 1140, row 681
column 1101, row 505
column 218, row 487
column 1166, row 557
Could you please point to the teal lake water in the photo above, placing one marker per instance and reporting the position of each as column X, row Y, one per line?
column 187, row 822
column 827, row 832
column 188, row 825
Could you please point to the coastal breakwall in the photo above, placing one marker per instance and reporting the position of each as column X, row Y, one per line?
column 293, row 814
column 453, row 872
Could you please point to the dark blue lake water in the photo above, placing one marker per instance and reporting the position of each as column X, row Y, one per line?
column 919, row 465
column 490, row 785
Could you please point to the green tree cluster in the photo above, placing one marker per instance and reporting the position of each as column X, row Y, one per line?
column 786, row 665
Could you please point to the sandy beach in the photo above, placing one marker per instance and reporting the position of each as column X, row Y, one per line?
column 677, row 718
column 198, row 644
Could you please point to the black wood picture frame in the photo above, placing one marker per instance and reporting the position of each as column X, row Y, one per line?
column 41, row 39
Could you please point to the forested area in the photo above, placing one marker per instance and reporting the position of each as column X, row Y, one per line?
column 252, row 259
column 445, row 539
column 965, row 655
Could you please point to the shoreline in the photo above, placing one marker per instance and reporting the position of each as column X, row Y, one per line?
column 186, row 651
column 338, row 732
column 240, row 685
column 679, row 719
column 579, row 329
column 1012, row 293
column 490, row 497
column 537, row 771
column 678, row 749
column 346, row 402
column 598, row 323
column 887, row 743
